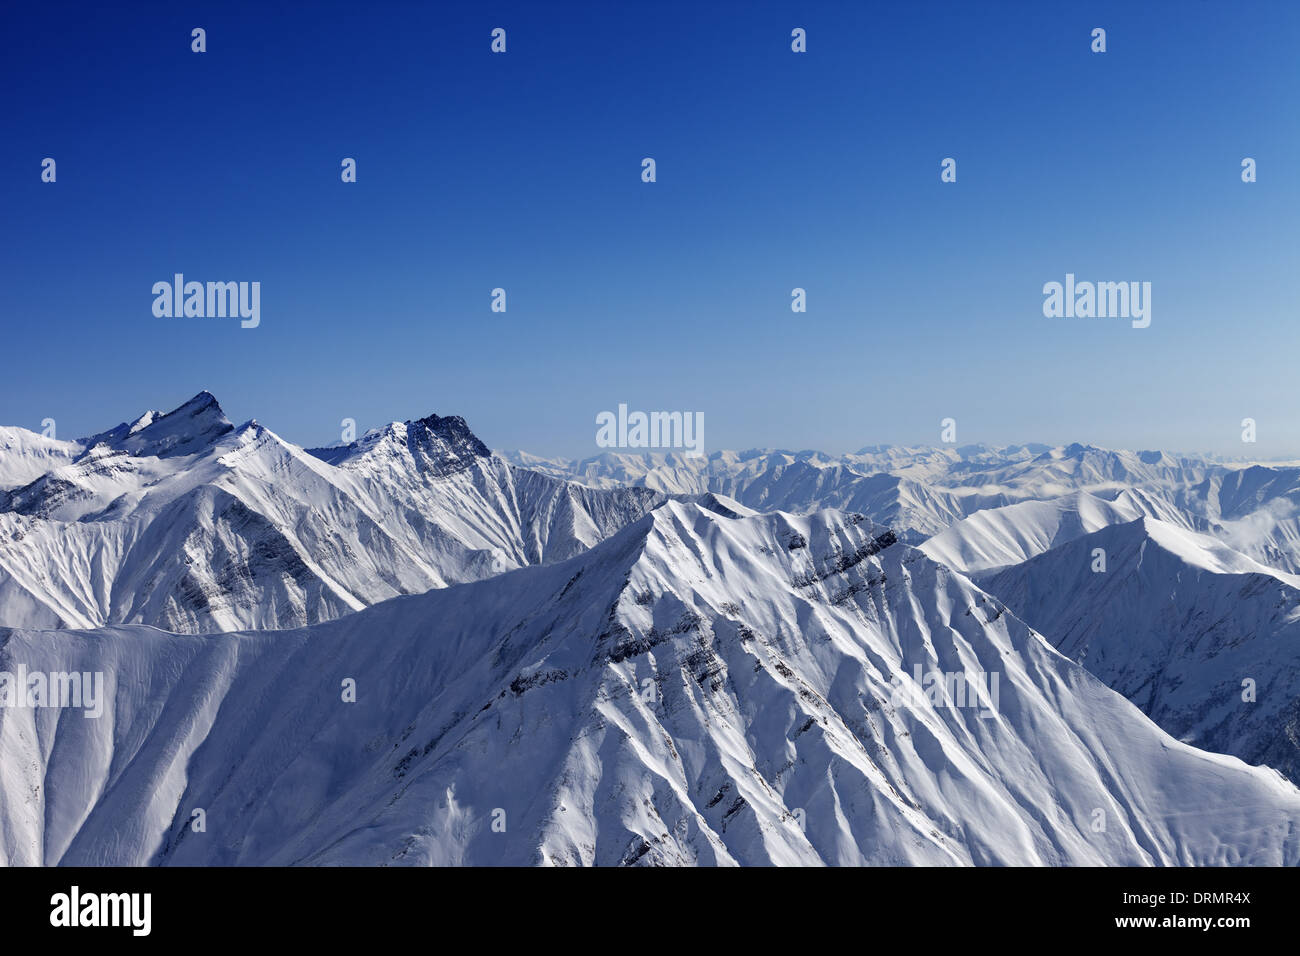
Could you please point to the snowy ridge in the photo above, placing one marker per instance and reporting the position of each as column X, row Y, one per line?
column 695, row 689
column 997, row 537
column 25, row 456
column 667, row 661
column 1177, row 623
column 187, row 522
column 925, row 493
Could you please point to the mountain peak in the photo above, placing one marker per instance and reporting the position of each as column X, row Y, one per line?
column 439, row 445
column 450, row 428
column 186, row 430
column 202, row 402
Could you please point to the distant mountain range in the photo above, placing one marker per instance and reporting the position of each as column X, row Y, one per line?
column 1021, row 655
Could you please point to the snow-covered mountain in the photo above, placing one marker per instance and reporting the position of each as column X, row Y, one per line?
column 695, row 689
column 923, row 492
column 1204, row 640
column 1008, row 535
column 190, row 523
column 644, row 659
column 676, row 473
column 1256, row 510
column 25, row 456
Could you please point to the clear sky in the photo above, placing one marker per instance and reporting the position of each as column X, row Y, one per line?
column 775, row 170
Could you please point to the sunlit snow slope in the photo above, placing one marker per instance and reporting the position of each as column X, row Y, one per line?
column 188, row 522
column 695, row 689
column 1205, row 640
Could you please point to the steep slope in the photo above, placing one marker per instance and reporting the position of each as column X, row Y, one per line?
column 696, row 689
column 998, row 537
column 25, row 456
column 436, row 466
column 1177, row 623
column 1256, row 510
column 188, row 522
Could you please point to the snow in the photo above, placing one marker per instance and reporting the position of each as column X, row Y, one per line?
column 1178, row 623
column 641, row 658
column 193, row 524
column 26, row 455
column 672, row 696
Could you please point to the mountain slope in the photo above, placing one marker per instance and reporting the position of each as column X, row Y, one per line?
column 188, row 522
column 1255, row 510
column 25, row 456
column 998, row 537
column 695, row 689
column 1176, row 623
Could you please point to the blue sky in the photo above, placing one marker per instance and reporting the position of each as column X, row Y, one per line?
column 775, row 170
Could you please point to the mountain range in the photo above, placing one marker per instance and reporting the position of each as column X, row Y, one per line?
column 187, row 522
column 1019, row 655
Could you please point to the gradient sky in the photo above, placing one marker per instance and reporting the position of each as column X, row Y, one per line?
column 775, row 170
